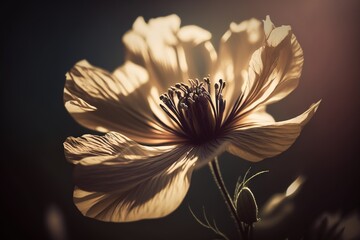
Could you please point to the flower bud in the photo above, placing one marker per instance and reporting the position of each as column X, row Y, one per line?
column 246, row 206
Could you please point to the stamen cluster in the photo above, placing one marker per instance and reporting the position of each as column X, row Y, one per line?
column 193, row 109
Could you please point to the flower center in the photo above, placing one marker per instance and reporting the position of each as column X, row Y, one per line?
column 191, row 106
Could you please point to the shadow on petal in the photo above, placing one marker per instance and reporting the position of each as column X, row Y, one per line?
column 119, row 180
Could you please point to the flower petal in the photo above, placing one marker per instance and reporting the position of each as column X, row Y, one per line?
column 119, row 102
column 112, row 144
column 275, row 68
column 236, row 47
column 259, row 142
column 154, row 46
column 256, row 117
column 119, row 180
column 199, row 55
column 170, row 54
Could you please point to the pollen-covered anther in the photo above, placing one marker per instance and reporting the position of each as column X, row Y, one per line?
column 197, row 114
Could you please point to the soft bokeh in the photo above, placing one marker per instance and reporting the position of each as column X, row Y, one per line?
column 44, row 40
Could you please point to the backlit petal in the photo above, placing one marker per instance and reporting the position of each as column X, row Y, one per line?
column 119, row 180
column 153, row 45
column 256, row 117
column 199, row 55
column 119, row 102
column 275, row 68
column 259, row 142
column 169, row 53
column 236, row 47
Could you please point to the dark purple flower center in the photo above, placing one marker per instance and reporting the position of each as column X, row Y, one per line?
column 191, row 107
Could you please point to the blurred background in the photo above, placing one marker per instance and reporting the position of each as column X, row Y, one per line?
column 42, row 41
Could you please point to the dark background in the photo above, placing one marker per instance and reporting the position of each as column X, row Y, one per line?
column 42, row 41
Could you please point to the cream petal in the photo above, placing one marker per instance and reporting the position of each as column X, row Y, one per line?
column 170, row 54
column 193, row 34
column 127, row 169
column 119, row 180
column 153, row 45
column 119, row 102
column 172, row 22
column 268, row 26
column 278, row 35
column 76, row 105
column 164, row 60
column 236, row 48
column 111, row 144
column 291, row 73
column 256, row 117
column 197, row 56
column 140, row 26
column 275, row 35
column 259, row 142
column 274, row 69
column 136, row 48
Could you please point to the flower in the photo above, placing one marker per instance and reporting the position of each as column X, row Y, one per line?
column 141, row 168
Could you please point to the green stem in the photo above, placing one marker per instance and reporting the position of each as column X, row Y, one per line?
column 215, row 170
